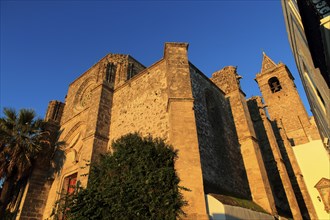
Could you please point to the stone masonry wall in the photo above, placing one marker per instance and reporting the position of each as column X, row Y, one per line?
column 140, row 105
column 35, row 199
column 183, row 131
column 54, row 111
column 217, row 139
column 294, row 173
column 85, row 125
column 271, row 155
column 255, row 169
column 36, row 190
column 285, row 105
column 291, row 124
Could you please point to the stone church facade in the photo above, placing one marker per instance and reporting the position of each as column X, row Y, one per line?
column 227, row 144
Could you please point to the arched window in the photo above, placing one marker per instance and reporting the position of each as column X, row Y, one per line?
column 68, row 188
column 69, row 184
column 110, row 73
column 130, row 71
column 274, row 84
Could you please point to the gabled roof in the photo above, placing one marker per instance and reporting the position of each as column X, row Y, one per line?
column 267, row 63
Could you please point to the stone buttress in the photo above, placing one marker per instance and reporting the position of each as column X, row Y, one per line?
column 227, row 80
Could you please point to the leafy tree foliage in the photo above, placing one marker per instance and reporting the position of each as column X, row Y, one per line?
column 136, row 181
column 24, row 140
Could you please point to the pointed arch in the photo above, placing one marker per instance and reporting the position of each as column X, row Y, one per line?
column 274, row 84
column 73, row 129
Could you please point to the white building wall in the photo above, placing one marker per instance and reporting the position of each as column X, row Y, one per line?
column 220, row 211
column 314, row 164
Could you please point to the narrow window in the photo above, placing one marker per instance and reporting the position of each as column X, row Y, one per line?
column 110, row 72
column 130, row 71
column 56, row 111
column 274, row 84
column 70, row 184
column 68, row 188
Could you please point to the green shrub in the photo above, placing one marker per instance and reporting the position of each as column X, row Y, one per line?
column 136, row 181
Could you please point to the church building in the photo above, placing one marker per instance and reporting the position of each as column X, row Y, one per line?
column 229, row 147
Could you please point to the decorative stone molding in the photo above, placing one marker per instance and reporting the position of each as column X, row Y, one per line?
column 323, row 186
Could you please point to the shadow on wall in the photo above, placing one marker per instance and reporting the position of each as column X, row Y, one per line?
column 224, row 144
column 281, row 201
column 291, row 173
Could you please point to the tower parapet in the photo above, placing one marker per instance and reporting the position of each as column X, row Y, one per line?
column 54, row 111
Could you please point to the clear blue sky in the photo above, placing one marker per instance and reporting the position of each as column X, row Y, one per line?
column 45, row 45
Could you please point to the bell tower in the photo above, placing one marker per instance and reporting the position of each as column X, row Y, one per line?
column 283, row 101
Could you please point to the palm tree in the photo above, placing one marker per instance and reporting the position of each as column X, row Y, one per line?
column 23, row 139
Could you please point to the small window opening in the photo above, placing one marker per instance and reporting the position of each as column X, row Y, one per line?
column 70, row 184
column 274, row 84
column 68, row 188
column 130, row 71
column 56, row 111
column 110, row 72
